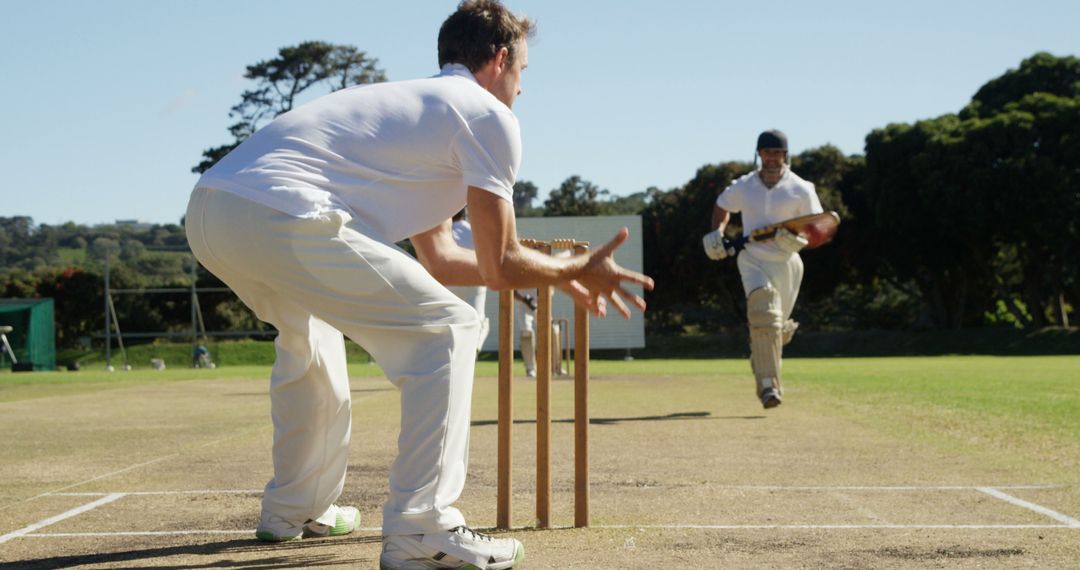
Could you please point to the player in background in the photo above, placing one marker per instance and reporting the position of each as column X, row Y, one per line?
column 300, row 221
column 476, row 296
column 771, row 270
column 525, row 311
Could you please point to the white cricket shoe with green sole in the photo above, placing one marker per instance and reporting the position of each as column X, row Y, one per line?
column 461, row 548
column 273, row 528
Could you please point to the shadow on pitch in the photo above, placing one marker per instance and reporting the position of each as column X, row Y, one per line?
column 677, row 416
column 354, row 391
column 215, row 555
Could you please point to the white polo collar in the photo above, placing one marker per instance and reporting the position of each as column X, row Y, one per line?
column 457, row 70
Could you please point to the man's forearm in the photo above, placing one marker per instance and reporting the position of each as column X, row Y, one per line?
column 720, row 218
column 523, row 268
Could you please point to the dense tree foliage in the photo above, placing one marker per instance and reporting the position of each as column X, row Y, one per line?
column 66, row 263
column 978, row 209
column 574, row 197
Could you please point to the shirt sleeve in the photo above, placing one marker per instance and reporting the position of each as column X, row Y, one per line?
column 489, row 151
column 729, row 199
column 814, row 202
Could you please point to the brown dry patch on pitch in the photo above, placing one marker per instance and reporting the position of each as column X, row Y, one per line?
column 947, row 552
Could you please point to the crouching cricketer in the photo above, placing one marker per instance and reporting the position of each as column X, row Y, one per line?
column 301, row 222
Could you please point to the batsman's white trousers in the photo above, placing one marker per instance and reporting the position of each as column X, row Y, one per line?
column 784, row 273
column 314, row 279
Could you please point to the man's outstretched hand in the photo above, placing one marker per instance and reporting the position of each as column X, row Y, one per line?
column 603, row 281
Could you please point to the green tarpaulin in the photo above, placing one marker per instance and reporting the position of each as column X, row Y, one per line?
column 33, row 338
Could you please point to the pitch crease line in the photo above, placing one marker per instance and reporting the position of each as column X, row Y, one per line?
column 736, row 487
column 623, row 527
column 47, row 493
column 1071, row 522
column 878, row 488
column 124, row 470
column 829, row 526
column 194, row 492
column 53, row 520
column 159, row 533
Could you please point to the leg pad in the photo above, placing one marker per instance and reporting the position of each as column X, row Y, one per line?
column 766, row 336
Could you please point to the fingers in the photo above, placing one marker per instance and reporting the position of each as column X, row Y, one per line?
column 604, row 281
column 635, row 277
column 620, row 305
column 578, row 293
column 636, row 300
column 609, row 248
column 585, row 298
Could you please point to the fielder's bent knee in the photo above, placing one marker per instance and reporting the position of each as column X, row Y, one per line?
column 461, row 314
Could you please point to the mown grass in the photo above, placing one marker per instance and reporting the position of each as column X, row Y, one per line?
column 1017, row 410
column 1022, row 408
column 226, row 353
column 31, row 385
column 999, row 341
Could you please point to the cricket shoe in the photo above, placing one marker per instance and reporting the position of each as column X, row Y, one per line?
column 770, row 397
column 461, row 548
column 273, row 528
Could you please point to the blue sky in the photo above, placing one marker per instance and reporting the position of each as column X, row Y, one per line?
column 107, row 104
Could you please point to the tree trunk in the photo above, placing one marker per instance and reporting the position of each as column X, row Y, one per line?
column 1062, row 309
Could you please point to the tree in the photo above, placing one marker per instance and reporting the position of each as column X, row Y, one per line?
column 280, row 82
column 524, row 194
column 1040, row 73
column 104, row 247
column 16, row 239
column 625, row 205
column 979, row 209
column 574, row 197
column 131, row 250
column 691, row 290
column 78, row 297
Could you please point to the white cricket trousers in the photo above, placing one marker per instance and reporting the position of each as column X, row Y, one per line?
column 783, row 273
column 314, row 279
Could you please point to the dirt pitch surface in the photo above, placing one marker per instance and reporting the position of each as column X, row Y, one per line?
column 687, row 472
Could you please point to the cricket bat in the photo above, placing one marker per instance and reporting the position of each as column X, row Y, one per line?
column 818, row 229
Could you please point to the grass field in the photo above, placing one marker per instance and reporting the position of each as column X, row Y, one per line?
column 943, row 462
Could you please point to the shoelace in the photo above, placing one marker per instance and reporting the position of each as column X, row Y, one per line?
column 475, row 535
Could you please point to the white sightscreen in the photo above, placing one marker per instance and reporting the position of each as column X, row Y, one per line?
column 612, row 331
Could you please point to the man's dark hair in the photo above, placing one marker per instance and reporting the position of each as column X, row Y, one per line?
column 477, row 31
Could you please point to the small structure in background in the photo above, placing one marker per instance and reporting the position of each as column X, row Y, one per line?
column 31, row 338
column 157, row 363
column 4, row 329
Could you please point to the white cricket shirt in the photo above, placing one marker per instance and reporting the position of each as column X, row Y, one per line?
column 462, row 232
column 760, row 206
column 397, row 156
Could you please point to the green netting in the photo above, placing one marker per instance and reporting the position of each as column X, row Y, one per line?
column 32, row 338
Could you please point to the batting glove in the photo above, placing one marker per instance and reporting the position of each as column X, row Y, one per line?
column 717, row 247
column 789, row 242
